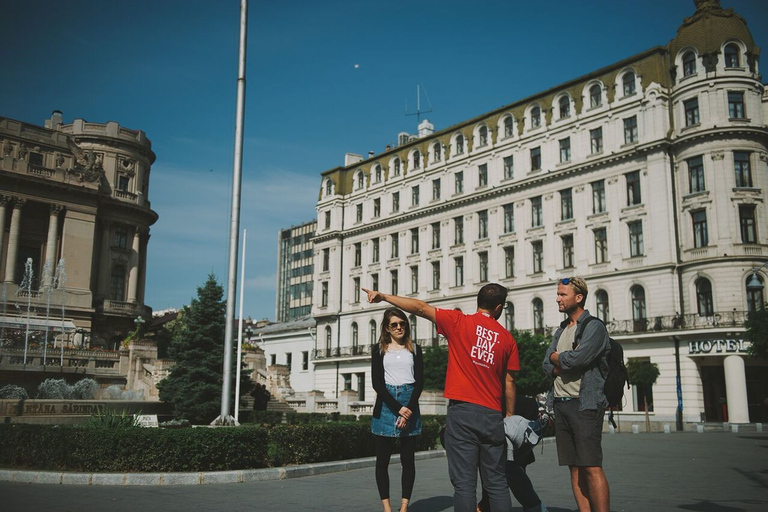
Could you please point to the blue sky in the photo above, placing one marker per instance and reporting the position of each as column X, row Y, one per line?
column 169, row 67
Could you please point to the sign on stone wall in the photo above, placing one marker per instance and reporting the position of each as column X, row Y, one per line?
column 718, row 347
column 146, row 420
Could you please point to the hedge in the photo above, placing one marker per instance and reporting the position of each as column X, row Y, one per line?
column 136, row 449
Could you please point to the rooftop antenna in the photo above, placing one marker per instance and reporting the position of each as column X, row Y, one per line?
column 418, row 105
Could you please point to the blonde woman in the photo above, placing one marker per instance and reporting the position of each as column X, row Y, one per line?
column 397, row 370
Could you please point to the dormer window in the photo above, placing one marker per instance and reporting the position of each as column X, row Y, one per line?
column 689, row 64
column 396, row 167
column 629, row 84
column 360, row 180
column 328, row 187
column 416, row 159
column 482, row 136
column 595, row 96
column 508, row 127
column 565, row 107
column 732, row 55
column 377, row 173
column 535, row 117
column 437, row 152
column 459, row 144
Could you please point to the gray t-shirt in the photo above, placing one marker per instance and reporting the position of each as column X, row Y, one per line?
column 398, row 367
column 567, row 385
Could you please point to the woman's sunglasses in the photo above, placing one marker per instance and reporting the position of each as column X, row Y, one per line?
column 396, row 325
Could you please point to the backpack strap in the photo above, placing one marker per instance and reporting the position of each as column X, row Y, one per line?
column 577, row 338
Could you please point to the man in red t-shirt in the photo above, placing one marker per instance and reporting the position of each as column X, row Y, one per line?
column 482, row 357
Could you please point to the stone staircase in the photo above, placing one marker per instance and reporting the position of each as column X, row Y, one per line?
column 278, row 405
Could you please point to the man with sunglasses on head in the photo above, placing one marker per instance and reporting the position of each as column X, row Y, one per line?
column 482, row 357
column 577, row 359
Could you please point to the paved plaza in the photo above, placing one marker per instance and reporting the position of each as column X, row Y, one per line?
column 710, row 472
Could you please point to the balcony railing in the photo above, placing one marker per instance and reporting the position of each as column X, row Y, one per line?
column 678, row 322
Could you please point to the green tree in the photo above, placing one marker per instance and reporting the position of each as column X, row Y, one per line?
column 643, row 374
column 531, row 380
column 194, row 383
column 757, row 333
column 435, row 365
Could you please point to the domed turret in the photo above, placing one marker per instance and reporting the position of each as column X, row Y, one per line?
column 709, row 28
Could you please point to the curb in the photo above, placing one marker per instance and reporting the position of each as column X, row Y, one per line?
column 198, row 478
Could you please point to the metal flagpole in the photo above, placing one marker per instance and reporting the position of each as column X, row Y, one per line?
column 226, row 389
column 240, row 333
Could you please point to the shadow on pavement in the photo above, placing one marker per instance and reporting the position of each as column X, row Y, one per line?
column 708, row 506
column 433, row 504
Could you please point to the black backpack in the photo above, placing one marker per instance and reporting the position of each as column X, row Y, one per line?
column 617, row 372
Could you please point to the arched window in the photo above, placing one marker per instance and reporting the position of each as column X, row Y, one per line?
column 704, row 297
column 755, row 297
column 535, row 117
column 377, row 173
column 416, row 159
column 638, row 309
column 372, row 329
column 732, row 55
column 459, row 144
column 629, row 84
column 509, row 316
column 508, row 126
column 689, row 64
column 565, row 107
column 412, row 322
column 360, row 180
column 396, row 167
column 117, row 283
column 438, row 151
column 538, row 316
column 328, row 340
column 595, row 96
column 603, row 311
column 328, row 187
column 355, row 338
column 482, row 134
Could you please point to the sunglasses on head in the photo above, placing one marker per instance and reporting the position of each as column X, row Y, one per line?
column 567, row 280
column 396, row 325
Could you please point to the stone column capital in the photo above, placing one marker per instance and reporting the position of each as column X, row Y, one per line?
column 56, row 208
column 18, row 202
column 5, row 200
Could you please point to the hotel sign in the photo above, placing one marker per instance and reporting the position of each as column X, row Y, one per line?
column 718, row 347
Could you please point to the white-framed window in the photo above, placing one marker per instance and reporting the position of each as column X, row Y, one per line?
column 747, row 223
column 359, row 212
column 394, row 245
column 396, row 165
column 603, row 306
column 564, row 107
column 435, row 275
column 394, row 282
column 509, row 167
column 414, row 240
column 691, row 108
column 565, row 150
column 566, row 204
column 538, row 316
column 324, row 294
column 356, row 290
column 437, row 152
column 700, row 235
column 568, row 251
column 375, row 251
column 509, row 261
column 537, row 249
column 630, row 130
column 435, row 235
column 436, row 186
column 736, row 105
column 535, row 117
column 358, row 254
column 696, row 175
column 509, row 218
column 536, row 159
column 689, row 63
column 458, row 182
column 509, row 316
column 482, row 258
column 635, row 238
column 704, row 302
column 458, row 265
column 509, row 126
column 415, row 195
column 596, row 140
column 742, row 169
column 639, row 312
column 634, row 196
column 326, row 260
column 482, row 175
column 482, row 224
column 458, row 230
column 595, row 96
column 360, row 180
column 377, row 173
column 537, row 214
column 628, row 83
column 601, row 245
column 459, row 144
column 482, row 136
column 414, row 279
column 395, row 202
column 732, row 54
column 416, row 157
column 377, row 207
column 598, row 196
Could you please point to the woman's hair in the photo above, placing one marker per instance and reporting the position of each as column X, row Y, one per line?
column 385, row 338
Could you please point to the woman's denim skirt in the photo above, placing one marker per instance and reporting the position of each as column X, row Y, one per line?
column 384, row 425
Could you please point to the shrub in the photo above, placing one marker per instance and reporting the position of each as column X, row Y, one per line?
column 13, row 392
column 267, row 417
column 85, row 389
column 111, row 419
column 54, row 389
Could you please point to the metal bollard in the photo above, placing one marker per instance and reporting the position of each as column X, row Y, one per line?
column 734, row 428
column 667, row 429
column 635, row 429
column 700, row 428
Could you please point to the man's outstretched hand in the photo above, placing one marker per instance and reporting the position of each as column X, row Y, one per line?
column 374, row 296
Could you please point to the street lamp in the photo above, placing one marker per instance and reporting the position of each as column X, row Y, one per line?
column 248, row 333
column 139, row 322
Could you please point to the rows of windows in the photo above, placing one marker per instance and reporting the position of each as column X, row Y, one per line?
column 731, row 59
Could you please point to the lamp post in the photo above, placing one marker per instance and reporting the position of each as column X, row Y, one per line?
column 139, row 322
column 754, row 286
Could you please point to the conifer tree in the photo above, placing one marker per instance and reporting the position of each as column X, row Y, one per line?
column 194, row 383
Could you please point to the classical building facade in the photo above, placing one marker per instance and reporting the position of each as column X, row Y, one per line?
column 74, row 226
column 648, row 177
column 295, row 271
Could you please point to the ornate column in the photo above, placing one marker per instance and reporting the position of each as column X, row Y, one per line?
column 50, row 244
column 736, row 389
column 4, row 200
column 133, row 273
column 13, row 240
column 104, row 259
